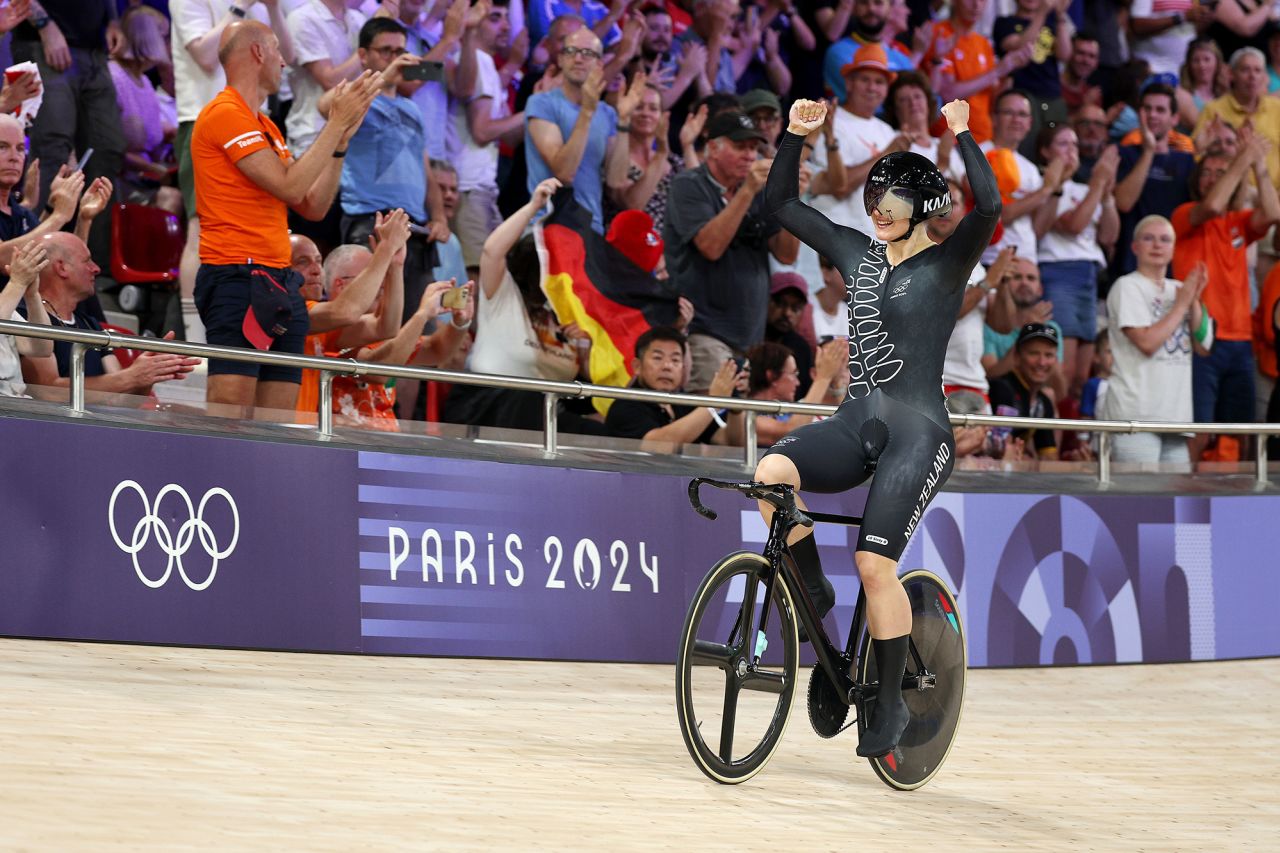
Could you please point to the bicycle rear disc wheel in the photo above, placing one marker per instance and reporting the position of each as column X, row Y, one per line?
column 733, row 712
column 938, row 635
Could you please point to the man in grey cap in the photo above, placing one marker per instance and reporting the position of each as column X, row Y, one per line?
column 765, row 111
column 718, row 245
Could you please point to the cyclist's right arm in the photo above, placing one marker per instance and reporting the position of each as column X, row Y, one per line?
column 782, row 201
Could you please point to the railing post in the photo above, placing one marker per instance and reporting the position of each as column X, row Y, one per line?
column 325, row 406
column 749, row 431
column 1261, row 457
column 549, row 425
column 77, row 378
column 1104, row 458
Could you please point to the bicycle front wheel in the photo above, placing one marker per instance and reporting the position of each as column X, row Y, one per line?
column 938, row 636
column 732, row 710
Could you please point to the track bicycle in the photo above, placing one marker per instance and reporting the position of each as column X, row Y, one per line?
column 739, row 658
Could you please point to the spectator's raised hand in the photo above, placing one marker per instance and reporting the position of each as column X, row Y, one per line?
column 543, row 192
column 592, row 89
column 806, row 177
column 771, row 44
column 1193, row 287
column 455, row 20
column 921, row 39
column 1013, row 450
column 1000, row 266
column 757, row 175
column 831, row 358
column 685, row 312
column 632, row 33
column 14, row 14
column 31, row 183
column 693, row 60
column 549, row 80
column 1015, row 59
column 392, row 229
column 96, row 198
column 662, row 136
column 65, row 190
column 806, row 116
column 1041, row 312
column 29, row 260
column 393, row 74
column 476, row 14
column 630, row 99
column 25, row 85
column 518, row 52
column 351, row 101
column 1104, row 170
column 1148, row 138
column 692, row 127
column 429, row 306
column 662, row 76
column 725, row 380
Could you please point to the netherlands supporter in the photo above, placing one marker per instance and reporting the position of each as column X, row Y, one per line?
column 1029, row 197
column 350, row 281
column 1209, row 232
column 246, row 181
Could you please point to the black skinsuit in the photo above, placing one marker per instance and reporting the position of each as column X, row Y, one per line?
column 893, row 421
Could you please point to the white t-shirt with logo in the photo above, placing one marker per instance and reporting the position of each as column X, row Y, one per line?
column 1059, row 245
column 477, row 165
column 860, row 140
column 1142, row 387
column 1020, row 232
column 509, row 344
column 963, row 364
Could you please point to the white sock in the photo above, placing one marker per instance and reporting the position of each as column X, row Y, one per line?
column 191, row 322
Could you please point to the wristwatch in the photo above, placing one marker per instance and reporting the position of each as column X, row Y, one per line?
column 237, row 11
column 41, row 22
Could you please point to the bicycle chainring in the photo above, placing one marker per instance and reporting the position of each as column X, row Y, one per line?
column 827, row 711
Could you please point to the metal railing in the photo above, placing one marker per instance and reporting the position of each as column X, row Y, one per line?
column 82, row 340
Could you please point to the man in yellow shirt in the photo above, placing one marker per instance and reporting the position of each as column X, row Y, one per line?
column 1248, row 101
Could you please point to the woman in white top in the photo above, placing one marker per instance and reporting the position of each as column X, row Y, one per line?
column 909, row 107
column 1156, row 323
column 1069, row 247
column 29, row 259
column 517, row 334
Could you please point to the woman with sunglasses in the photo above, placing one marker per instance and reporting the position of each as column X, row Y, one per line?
column 904, row 297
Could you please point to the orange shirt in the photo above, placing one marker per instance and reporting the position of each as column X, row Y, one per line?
column 1264, row 333
column 970, row 56
column 317, row 345
column 364, row 401
column 1220, row 243
column 240, row 222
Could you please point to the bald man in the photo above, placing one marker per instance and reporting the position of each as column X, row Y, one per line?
column 246, row 181
column 65, row 282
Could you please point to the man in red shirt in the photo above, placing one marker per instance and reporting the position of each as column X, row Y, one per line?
column 1208, row 230
column 246, row 180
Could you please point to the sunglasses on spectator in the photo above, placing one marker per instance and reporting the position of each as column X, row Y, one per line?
column 572, row 51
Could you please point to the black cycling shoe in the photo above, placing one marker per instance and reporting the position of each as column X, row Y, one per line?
column 824, row 598
column 890, row 715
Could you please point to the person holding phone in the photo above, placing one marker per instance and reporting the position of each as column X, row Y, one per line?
column 907, row 295
column 386, row 165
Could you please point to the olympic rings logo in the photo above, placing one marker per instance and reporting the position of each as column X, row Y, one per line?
column 175, row 547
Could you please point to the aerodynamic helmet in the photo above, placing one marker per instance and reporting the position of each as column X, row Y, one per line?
column 906, row 185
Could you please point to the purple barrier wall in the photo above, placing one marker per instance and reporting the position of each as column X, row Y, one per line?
column 139, row 536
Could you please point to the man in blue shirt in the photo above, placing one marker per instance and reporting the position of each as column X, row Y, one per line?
column 386, row 162
column 571, row 134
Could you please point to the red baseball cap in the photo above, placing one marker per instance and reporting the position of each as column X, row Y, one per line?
column 632, row 234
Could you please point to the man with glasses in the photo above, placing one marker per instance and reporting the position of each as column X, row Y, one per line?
column 1026, row 194
column 1090, row 125
column 570, row 132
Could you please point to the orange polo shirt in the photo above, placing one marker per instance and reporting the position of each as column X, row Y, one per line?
column 971, row 56
column 240, row 222
column 1220, row 243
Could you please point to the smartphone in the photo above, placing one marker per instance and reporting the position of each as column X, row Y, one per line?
column 454, row 299
column 432, row 72
column 84, row 160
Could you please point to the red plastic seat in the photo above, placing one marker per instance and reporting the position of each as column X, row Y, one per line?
column 146, row 245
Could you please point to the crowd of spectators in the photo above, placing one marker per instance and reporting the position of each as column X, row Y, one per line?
column 360, row 179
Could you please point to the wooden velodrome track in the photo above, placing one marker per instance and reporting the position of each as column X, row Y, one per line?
column 126, row 747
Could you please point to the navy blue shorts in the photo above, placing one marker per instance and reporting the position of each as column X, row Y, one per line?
column 1222, row 384
column 222, row 297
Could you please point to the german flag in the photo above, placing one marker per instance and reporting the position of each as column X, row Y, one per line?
column 589, row 282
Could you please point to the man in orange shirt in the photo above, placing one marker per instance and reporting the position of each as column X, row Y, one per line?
column 352, row 279
column 963, row 64
column 1208, row 230
column 246, row 181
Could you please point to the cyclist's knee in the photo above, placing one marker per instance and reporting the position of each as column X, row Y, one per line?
column 876, row 572
column 776, row 468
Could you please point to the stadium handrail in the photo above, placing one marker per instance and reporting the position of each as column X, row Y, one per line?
column 83, row 340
